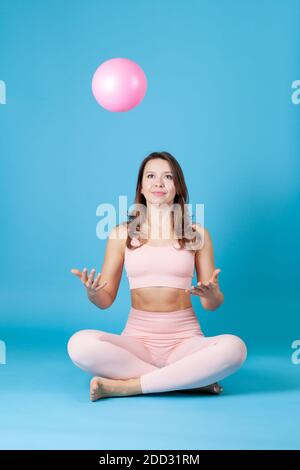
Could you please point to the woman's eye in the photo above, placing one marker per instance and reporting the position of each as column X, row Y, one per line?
column 168, row 176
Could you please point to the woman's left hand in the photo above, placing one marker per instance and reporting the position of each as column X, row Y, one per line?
column 207, row 290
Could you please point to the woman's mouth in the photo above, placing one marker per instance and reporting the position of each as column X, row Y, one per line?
column 158, row 193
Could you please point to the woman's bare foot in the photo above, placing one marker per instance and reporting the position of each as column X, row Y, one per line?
column 101, row 387
column 214, row 389
column 96, row 388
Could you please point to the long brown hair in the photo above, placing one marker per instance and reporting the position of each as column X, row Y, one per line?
column 181, row 220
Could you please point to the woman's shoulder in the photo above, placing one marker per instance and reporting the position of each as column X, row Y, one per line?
column 117, row 238
column 203, row 234
column 200, row 228
column 119, row 232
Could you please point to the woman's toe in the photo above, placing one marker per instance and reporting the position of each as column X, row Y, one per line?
column 218, row 388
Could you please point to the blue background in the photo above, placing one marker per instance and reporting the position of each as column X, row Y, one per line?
column 219, row 99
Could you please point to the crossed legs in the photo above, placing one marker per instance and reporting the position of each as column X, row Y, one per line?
column 122, row 365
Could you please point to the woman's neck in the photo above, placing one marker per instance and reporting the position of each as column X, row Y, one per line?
column 158, row 224
column 157, row 232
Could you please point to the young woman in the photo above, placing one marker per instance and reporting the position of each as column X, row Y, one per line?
column 162, row 347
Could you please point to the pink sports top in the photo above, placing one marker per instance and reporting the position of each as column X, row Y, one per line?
column 165, row 265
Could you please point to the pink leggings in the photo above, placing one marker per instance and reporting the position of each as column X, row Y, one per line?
column 166, row 350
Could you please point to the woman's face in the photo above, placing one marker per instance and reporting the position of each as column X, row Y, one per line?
column 158, row 183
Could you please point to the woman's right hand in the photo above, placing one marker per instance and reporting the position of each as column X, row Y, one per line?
column 93, row 285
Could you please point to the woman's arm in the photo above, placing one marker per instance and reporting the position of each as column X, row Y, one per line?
column 207, row 273
column 112, row 268
column 101, row 299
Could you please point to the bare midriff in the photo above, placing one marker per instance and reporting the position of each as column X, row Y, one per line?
column 160, row 298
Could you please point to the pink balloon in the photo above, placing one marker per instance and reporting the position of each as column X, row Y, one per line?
column 119, row 85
